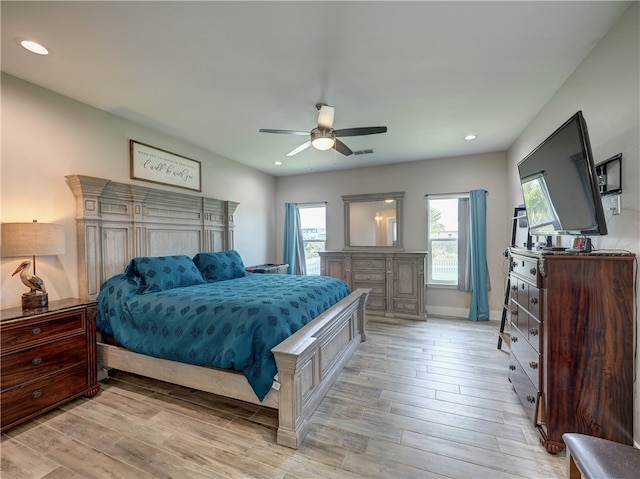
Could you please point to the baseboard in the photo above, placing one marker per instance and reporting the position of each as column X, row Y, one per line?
column 458, row 313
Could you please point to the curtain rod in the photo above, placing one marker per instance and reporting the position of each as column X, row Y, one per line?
column 451, row 194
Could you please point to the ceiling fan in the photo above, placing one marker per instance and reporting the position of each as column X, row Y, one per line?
column 324, row 137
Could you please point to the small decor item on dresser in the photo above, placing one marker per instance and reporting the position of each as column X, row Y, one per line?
column 32, row 239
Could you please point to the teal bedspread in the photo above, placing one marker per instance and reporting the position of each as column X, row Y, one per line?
column 231, row 324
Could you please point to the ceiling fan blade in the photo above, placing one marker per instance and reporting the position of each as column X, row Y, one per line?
column 365, row 130
column 325, row 117
column 342, row 148
column 284, row 132
column 304, row 146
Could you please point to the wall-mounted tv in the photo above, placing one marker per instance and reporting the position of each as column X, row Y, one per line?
column 559, row 184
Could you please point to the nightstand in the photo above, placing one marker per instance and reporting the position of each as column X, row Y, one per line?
column 268, row 268
column 48, row 358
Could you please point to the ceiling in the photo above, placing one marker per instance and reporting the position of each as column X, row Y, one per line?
column 214, row 73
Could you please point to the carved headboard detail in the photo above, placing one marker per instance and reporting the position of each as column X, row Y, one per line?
column 117, row 222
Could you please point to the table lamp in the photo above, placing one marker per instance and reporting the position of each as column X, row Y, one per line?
column 32, row 239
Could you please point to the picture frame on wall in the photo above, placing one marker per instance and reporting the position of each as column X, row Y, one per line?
column 155, row 165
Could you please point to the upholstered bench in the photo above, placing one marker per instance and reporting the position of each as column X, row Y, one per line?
column 594, row 458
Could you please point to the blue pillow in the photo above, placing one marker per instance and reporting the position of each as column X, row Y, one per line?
column 220, row 266
column 160, row 273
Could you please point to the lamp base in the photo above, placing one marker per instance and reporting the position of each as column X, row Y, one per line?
column 34, row 300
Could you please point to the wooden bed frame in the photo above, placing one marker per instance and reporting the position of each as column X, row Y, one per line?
column 117, row 222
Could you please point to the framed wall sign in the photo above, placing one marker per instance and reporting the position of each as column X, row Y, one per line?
column 159, row 166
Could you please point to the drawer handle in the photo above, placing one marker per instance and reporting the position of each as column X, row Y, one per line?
column 514, row 339
column 36, row 361
column 533, row 331
column 532, row 271
column 514, row 264
column 514, row 312
column 533, row 365
column 512, row 367
column 531, row 399
column 36, row 394
column 514, row 287
column 534, row 300
column 36, row 331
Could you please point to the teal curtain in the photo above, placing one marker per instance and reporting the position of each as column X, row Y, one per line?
column 293, row 241
column 479, row 310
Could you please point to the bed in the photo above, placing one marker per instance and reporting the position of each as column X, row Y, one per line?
column 117, row 223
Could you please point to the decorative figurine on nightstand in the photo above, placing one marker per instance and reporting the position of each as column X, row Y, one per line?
column 32, row 299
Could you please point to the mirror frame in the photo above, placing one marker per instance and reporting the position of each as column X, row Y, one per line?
column 398, row 196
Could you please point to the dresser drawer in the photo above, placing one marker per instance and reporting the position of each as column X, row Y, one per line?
column 379, row 303
column 24, row 333
column 526, row 355
column 28, row 364
column 35, row 396
column 534, row 333
column 377, row 289
column 525, row 389
column 369, row 277
column 526, row 268
column 369, row 263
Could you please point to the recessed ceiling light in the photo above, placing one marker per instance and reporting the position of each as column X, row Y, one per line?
column 470, row 136
column 277, row 163
column 34, row 47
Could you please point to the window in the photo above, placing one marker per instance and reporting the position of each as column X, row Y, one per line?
column 313, row 220
column 444, row 230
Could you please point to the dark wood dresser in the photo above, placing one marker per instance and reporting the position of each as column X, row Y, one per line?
column 572, row 329
column 48, row 357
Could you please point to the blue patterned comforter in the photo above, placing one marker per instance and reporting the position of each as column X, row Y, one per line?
column 230, row 324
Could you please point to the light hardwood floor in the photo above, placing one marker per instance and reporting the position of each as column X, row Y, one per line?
column 418, row 399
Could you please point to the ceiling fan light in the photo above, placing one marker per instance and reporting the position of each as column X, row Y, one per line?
column 323, row 143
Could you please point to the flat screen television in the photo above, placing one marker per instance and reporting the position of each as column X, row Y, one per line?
column 560, row 186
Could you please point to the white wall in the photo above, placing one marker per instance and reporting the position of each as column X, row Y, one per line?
column 46, row 136
column 606, row 87
column 446, row 175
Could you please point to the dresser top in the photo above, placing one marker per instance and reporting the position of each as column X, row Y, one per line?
column 53, row 307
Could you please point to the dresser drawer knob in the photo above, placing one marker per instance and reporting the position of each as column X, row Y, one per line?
column 514, row 287
column 514, row 339
column 532, row 271
column 531, row 399
column 534, row 300
column 533, row 331
column 512, row 367
column 514, row 312
column 533, row 364
column 36, row 331
column 36, row 361
column 36, row 394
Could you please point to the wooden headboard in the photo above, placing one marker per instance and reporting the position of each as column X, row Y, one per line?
column 117, row 222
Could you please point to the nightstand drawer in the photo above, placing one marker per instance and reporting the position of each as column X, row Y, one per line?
column 37, row 396
column 24, row 333
column 28, row 364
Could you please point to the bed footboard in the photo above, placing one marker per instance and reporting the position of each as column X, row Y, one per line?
column 310, row 361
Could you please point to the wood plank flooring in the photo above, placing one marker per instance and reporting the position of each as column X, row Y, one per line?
column 417, row 400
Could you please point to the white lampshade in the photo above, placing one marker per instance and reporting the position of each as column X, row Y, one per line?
column 32, row 239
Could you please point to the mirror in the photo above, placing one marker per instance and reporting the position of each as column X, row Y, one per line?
column 373, row 220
